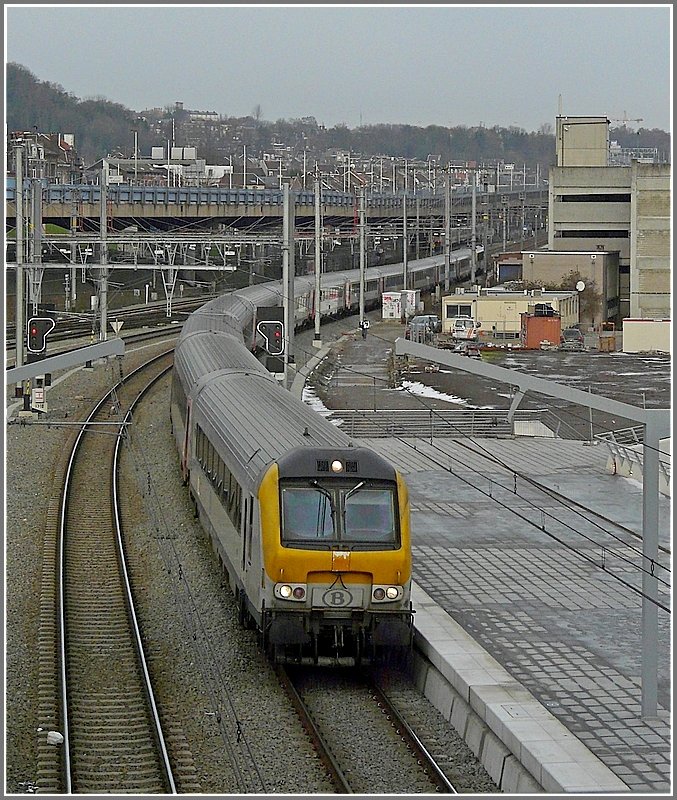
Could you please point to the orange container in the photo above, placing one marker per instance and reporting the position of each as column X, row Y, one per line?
column 537, row 329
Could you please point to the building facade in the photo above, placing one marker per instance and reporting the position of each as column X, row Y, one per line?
column 623, row 209
column 650, row 228
column 599, row 274
column 500, row 311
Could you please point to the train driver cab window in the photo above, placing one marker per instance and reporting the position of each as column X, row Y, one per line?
column 370, row 516
column 307, row 515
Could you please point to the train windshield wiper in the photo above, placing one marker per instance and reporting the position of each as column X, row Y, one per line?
column 355, row 488
column 321, row 512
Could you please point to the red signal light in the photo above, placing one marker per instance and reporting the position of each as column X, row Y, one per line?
column 38, row 328
column 273, row 334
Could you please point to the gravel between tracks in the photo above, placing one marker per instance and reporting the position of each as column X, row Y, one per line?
column 187, row 613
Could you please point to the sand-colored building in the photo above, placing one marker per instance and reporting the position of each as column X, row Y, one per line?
column 500, row 311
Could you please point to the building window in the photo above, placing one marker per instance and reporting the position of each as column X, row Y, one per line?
column 622, row 234
column 458, row 310
column 593, row 198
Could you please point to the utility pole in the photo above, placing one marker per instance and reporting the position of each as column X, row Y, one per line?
column 317, row 341
column 103, row 260
column 537, row 222
column 288, row 224
column 363, row 255
column 447, row 226
column 136, row 154
column 485, row 254
column 19, row 170
column 405, row 264
column 73, row 226
column 418, row 223
column 504, row 209
column 473, row 229
column 36, row 268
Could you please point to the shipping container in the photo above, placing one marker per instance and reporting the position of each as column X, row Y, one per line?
column 539, row 328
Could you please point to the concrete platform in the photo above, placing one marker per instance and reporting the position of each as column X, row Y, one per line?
column 527, row 565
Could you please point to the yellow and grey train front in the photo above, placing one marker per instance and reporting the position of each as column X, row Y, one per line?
column 336, row 556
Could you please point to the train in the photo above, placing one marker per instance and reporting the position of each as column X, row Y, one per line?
column 340, row 291
column 312, row 529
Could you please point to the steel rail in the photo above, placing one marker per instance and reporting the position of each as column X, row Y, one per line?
column 426, row 760
column 316, row 738
column 61, row 612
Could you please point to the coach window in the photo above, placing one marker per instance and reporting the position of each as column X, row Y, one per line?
column 232, row 486
column 236, row 505
column 225, row 490
column 210, row 460
column 200, row 447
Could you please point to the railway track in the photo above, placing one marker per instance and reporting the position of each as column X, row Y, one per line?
column 363, row 741
column 113, row 739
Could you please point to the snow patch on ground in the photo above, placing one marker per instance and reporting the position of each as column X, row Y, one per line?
column 311, row 399
column 420, row 389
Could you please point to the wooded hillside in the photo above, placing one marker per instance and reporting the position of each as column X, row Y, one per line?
column 102, row 127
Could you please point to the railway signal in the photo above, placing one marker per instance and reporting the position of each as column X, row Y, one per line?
column 38, row 328
column 273, row 336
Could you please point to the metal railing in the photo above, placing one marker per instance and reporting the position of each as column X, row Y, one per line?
column 626, row 448
column 427, row 424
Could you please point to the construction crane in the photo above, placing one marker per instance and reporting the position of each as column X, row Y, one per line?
column 626, row 119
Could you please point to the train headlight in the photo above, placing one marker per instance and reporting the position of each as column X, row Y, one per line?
column 385, row 594
column 290, row 591
column 337, row 466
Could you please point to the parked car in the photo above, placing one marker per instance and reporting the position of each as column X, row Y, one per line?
column 571, row 339
column 427, row 323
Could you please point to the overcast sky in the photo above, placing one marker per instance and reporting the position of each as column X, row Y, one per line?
column 505, row 65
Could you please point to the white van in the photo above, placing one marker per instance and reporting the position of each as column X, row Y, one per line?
column 465, row 328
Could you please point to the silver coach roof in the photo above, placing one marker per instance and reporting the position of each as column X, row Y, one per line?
column 203, row 352
column 252, row 420
column 235, row 309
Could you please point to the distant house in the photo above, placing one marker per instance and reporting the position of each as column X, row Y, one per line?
column 51, row 156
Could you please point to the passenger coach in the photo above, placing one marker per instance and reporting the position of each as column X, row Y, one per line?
column 312, row 530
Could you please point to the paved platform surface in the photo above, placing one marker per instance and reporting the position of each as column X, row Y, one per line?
column 532, row 550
